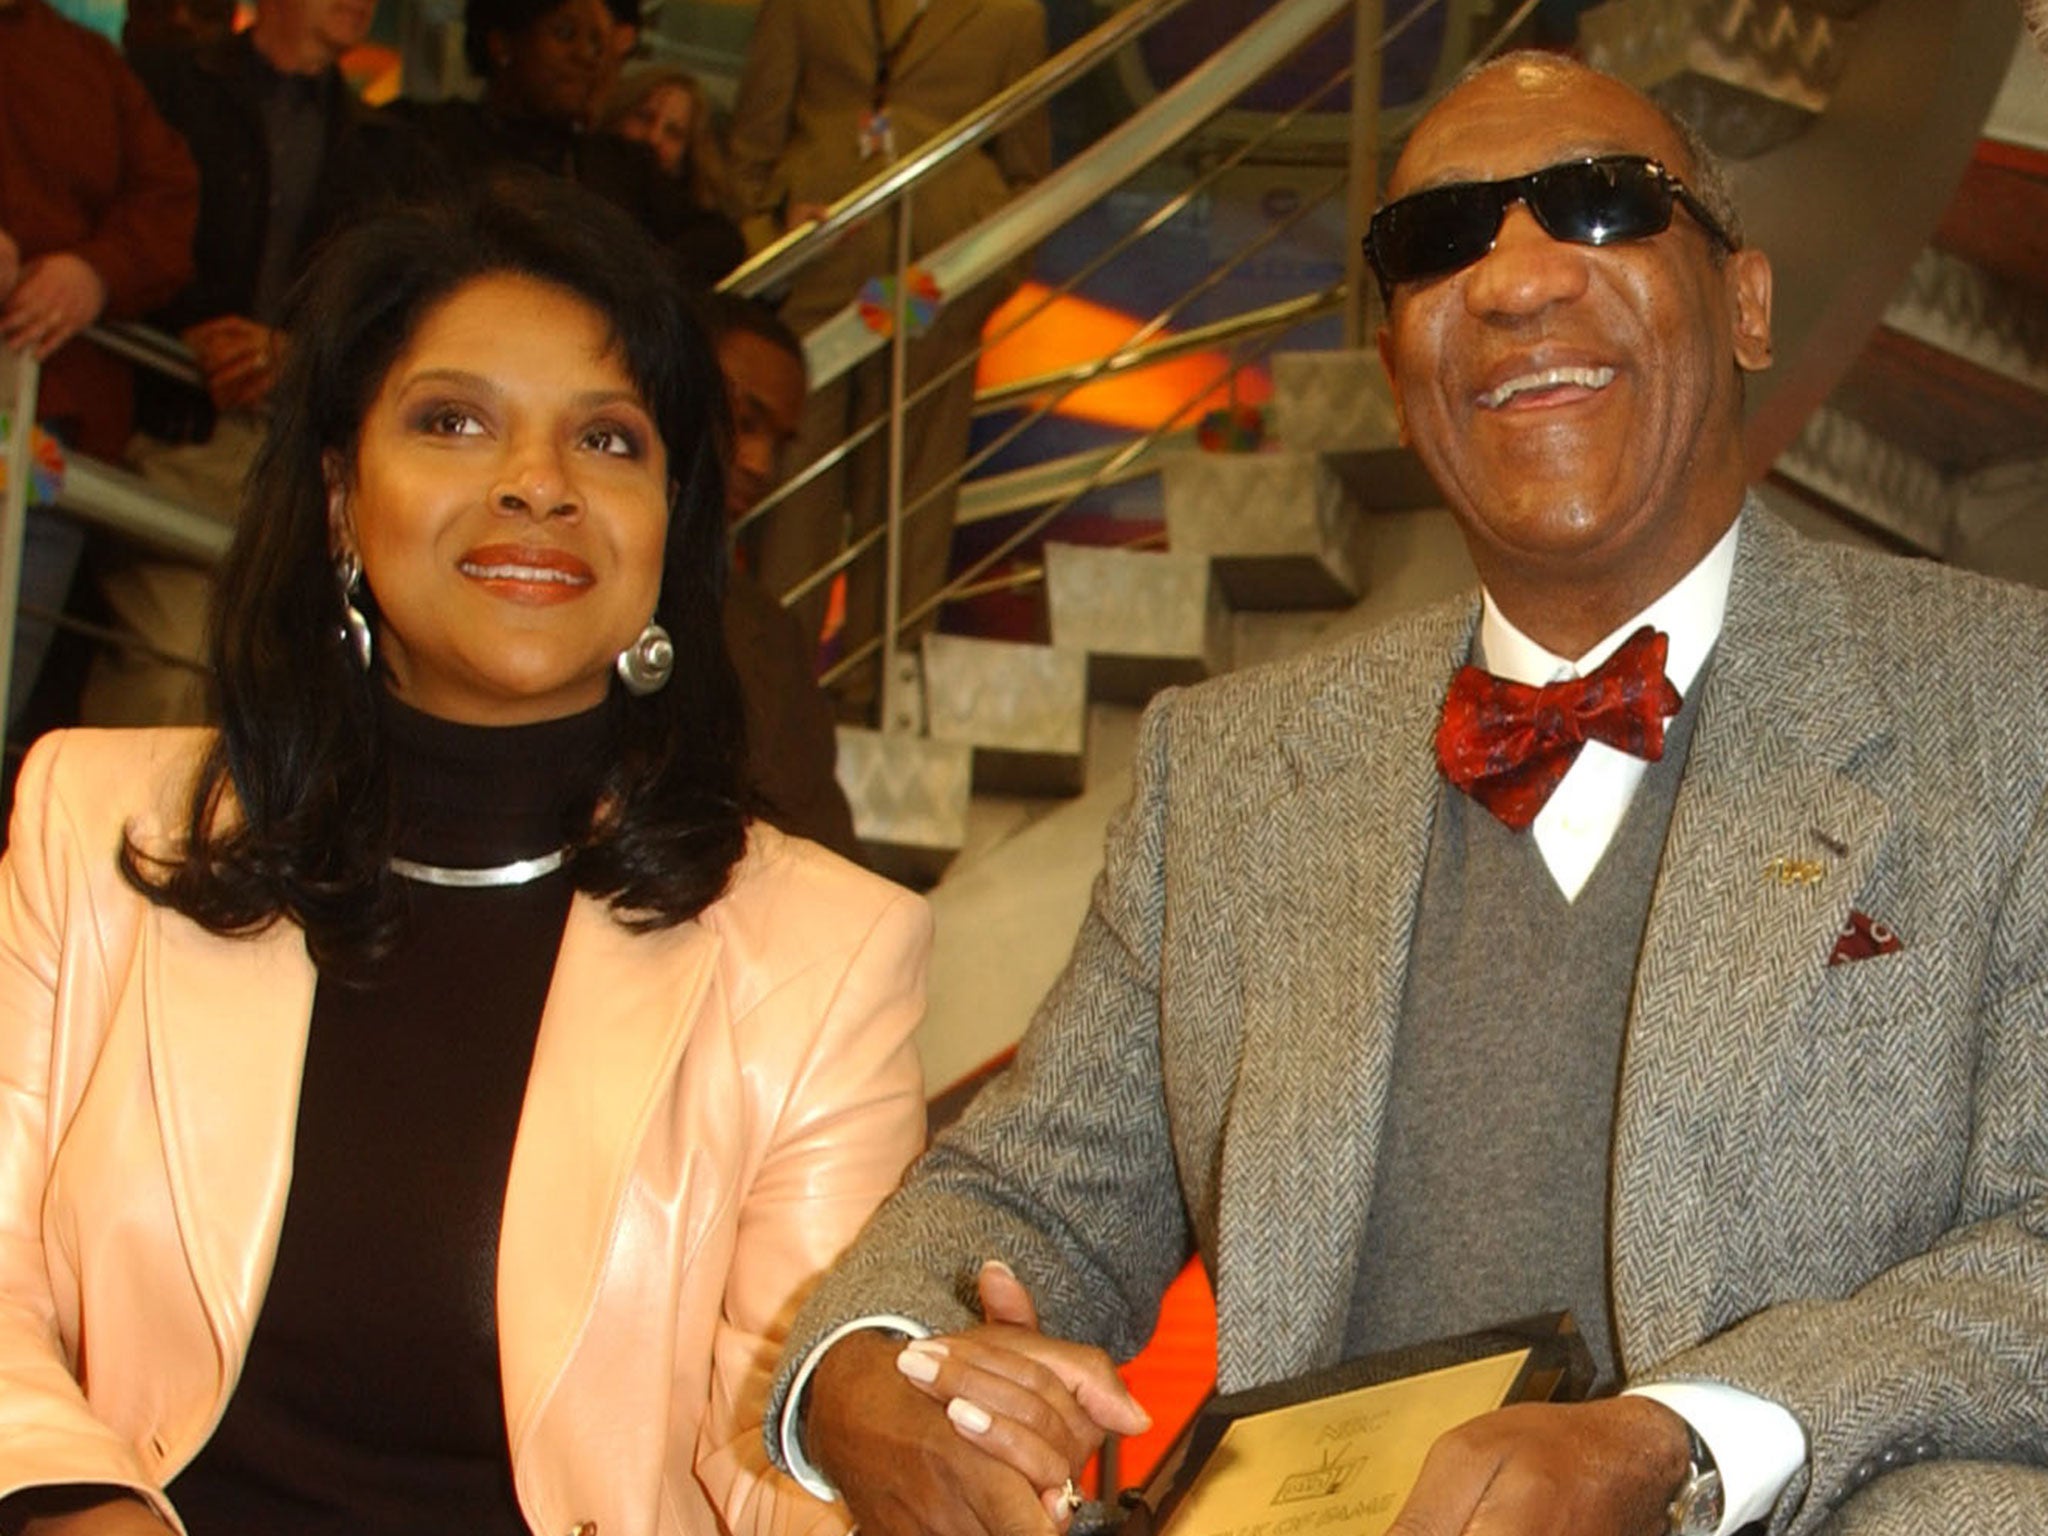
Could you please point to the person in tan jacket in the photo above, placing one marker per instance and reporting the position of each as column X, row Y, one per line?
column 424, row 1100
column 832, row 91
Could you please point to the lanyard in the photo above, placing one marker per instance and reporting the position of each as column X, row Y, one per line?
column 886, row 52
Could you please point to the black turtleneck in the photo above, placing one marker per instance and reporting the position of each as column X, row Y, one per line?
column 371, row 1400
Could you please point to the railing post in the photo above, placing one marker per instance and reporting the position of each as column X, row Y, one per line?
column 1368, row 22
column 894, row 717
column 19, row 369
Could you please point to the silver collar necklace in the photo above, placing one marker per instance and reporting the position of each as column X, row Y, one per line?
column 518, row 872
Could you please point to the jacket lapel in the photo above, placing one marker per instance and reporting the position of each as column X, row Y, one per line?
column 942, row 18
column 617, row 1016
column 1337, row 859
column 226, row 1024
column 1734, row 950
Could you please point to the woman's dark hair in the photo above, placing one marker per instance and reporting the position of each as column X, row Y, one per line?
column 290, row 811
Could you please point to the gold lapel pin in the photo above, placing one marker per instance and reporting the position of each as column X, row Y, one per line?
column 1784, row 871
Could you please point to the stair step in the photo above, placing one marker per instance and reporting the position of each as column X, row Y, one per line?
column 1276, row 527
column 910, row 796
column 1949, row 303
column 1021, row 709
column 1332, row 402
column 1749, row 74
column 1146, row 619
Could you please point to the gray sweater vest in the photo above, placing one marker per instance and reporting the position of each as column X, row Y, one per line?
column 1490, row 1200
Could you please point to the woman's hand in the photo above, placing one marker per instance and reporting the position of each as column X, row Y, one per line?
column 1041, row 1405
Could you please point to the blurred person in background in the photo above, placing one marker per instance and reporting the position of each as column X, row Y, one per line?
column 829, row 96
column 543, row 63
column 98, row 199
column 286, row 155
column 663, row 106
column 792, row 748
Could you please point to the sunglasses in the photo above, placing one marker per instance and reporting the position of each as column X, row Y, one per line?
column 1588, row 202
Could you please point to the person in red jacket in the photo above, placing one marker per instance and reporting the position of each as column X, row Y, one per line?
column 98, row 199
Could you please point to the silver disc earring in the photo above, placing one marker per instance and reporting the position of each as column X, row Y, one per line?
column 355, row 629
column 645, row 665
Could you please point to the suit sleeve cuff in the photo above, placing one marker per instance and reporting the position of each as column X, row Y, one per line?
column 1756, row 1443
column 790, row 1432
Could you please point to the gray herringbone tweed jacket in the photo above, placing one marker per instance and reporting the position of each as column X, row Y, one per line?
column 1830, row 1183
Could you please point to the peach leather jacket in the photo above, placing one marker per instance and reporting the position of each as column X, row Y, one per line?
column 713, row 1111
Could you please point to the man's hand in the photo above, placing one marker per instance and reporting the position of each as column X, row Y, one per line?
column 239, row 358
column 1606, row 1468
column 10, row 263
column 975, row 1432
column 894, row 1456
column 56, row 297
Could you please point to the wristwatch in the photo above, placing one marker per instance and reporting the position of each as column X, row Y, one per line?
column 1697, row 1507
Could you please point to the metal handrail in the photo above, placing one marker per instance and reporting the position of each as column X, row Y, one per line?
column 1281, row 316
column 1089, row 372
column 1157, row 220
column 1038, row 524
column 960, row 263
column 800, row 245
column 1151, row 224
column 156, row 350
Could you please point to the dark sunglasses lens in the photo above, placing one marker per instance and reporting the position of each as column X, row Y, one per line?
column 1436, row 231
column 1598, row 201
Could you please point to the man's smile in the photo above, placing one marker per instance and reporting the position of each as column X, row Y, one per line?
column 1539, row 387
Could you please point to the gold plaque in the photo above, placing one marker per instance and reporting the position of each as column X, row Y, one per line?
column 1336, row 1452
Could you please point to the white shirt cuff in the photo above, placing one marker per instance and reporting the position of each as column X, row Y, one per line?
column 790, row 1431
column 1756, row 1443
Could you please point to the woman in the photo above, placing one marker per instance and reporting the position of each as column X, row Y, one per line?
column 663, row 106
column 425, row 1098
column 543, row 65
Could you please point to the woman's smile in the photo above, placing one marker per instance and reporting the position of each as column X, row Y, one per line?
column 524, row 574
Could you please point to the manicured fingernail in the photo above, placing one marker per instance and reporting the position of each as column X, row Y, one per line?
column 999, row 1264
column 918, row 1364
column 971, row 1417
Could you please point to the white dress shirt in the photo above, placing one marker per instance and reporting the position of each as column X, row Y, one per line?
column 1580, row 818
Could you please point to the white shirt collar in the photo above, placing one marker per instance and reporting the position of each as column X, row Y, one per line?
column 1690, row 613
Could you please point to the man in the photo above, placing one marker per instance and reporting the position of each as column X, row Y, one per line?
column 1736, row 1050
column 791, row 744
column 97, row 202
column 830, row 94
column 284, row 155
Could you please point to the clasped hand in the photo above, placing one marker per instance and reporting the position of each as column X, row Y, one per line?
column 972, row 1432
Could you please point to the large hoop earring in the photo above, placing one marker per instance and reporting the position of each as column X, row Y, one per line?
column 355, row 628
column 646, row 665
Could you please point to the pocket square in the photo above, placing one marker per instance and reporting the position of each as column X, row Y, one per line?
column 1863, row 939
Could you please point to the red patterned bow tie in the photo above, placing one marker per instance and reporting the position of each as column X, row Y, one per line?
column 1508, row 745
